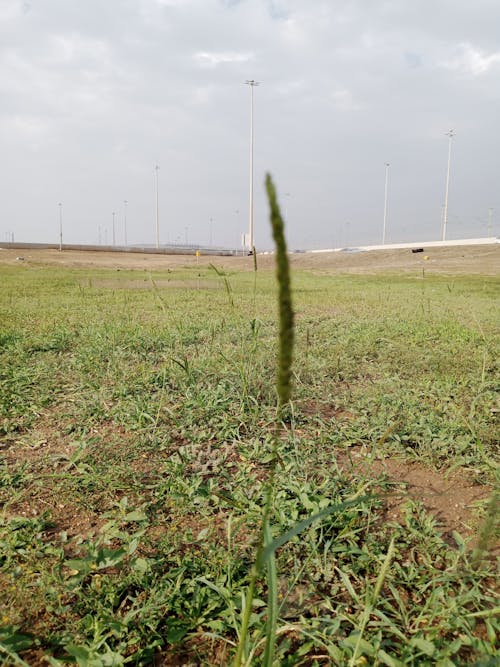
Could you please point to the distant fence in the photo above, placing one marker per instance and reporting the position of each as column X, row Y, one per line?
column 163, row 250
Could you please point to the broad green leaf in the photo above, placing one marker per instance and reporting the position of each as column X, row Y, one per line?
column 302, row 525
column 364, row 647
column 386, row 659
column 136, row 515
column 12, row 640
column 423, row 645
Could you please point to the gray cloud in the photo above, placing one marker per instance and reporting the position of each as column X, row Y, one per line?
column 94, row 94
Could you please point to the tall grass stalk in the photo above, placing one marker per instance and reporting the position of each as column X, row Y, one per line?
column 266, row 546
column 283, row 386
column 488, row 529
column 254, row 298
column 227, row 284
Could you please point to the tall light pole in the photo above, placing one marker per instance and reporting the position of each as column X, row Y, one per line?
column 60, row 227
column 113, row 228
column 125, row 202
column 287, row 200
column 450, row 136
column 157, row 168
column 252, row 85
column 237, row 211
column 442, row 217
column 387, row 165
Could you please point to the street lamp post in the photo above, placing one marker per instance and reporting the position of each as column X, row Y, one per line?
column 287, row 195
column 252, row 85
column 125, row 202
column 60, row 227
column 237, row 211
column 113, row 228
column 157, row 210
column 385, row 201
column 450, row 136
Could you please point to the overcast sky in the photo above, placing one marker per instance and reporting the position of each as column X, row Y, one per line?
column 95, row 93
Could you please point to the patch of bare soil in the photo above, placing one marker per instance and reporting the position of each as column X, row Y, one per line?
column 452, row 499
column 474, row 259
column 49, row 451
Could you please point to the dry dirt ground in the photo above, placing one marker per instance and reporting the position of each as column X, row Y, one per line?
column 478, row 260
column 451, row 499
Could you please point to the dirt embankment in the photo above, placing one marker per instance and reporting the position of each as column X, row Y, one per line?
column 479, row 260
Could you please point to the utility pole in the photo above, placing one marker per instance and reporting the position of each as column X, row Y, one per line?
column 113, row 228
column 252, row 85
column 385, row 201
column 450, row 136
column 60, row 227
column 287, row 200
column 157, row 210
column 125, row 202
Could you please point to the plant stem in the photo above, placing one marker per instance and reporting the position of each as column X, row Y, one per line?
column 283, row 385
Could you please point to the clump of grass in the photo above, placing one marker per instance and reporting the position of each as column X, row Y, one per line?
column 227, row 284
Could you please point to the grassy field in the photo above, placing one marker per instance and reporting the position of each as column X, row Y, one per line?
column 136, row 420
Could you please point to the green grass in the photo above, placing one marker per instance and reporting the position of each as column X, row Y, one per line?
column 137, row 438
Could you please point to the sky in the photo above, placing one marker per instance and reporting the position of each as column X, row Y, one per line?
column 95, row 93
